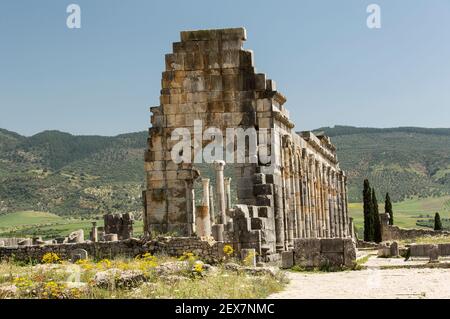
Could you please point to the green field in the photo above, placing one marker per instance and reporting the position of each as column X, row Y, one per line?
column 47, row 225
column 406, row 213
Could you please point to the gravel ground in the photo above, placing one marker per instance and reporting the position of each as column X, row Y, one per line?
column 370, row 283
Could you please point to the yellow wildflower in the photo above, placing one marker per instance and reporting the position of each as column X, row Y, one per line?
column 228, row 250
column 51, row 258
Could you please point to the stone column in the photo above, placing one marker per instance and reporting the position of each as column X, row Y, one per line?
column 320, row 226
column 220, row 191
column 335, row 206
column 330, row 204
column 227, row 182
column 190, row 211
column 212, row 211
column 307, row 198
column 345, row 204
column 352, row 228
column 312, row 201
column 339, row 204
column 286, row 175
column 297, row 196
column 326, row 205
column 203, row 222
column 94, row 232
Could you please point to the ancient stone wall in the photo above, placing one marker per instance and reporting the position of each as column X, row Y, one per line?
column 325, row 252
column 391, row 232
column 208, row 251
column 302, row 193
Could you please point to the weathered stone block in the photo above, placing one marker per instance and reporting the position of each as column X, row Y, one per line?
column 263, row 189
column 287, row 259
column 444, row 249
column 394, row 249
column 258, row 223
column 349, row 252
column 332, row 245
column 76, row 236
column 264, row 200
column 384, row 252
column 307, row 252
column 331, row 259
column 434, row 254
column 264, row 211
column 421, row 250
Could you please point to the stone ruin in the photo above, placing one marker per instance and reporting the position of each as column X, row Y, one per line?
column 119, row 224
column 392, row 232
column 302, row 194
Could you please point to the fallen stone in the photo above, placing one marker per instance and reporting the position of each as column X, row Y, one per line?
column 287, row 259
column 394, row 249
column 116, row 278
column 232, row 266
column 8, row 291
column 76, row 236
column 172, row 267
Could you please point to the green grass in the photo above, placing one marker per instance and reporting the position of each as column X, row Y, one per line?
column 19, row 219
column 407, row 212
column 49, row 226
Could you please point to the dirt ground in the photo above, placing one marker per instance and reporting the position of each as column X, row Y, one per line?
column 371, row 283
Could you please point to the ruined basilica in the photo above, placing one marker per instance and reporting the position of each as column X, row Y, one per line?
column 302, row 194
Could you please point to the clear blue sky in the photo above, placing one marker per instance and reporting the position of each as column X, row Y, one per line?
column 102, row 78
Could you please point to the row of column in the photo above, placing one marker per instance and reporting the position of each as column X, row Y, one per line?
column 205, row 221
column 315, row 198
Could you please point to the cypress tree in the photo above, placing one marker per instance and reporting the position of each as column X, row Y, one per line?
column 388, row 209
column 437, row 222
column 376, row 218
column 368, row 212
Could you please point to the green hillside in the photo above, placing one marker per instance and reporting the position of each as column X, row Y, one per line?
column 406, row 162
column 71, row 175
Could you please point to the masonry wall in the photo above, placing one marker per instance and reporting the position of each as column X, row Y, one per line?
column 208, row 77
column 208, row 251
column 314, row 252
column 391, row 232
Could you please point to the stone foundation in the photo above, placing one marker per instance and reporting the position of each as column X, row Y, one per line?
column 424, row 250
column 315, row 252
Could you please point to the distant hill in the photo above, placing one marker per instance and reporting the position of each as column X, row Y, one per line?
column 71, row 175
column 405, row 161
column 90, row 175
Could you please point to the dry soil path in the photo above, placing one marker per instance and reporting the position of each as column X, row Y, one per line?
column 369, row 283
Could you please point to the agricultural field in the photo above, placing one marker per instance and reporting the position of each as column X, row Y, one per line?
column 408, row 212
column 47, row 225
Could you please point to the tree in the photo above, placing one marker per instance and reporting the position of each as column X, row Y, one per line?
column 388, row 209
column 368, row 212
column 437, row 222
column 376, row 218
